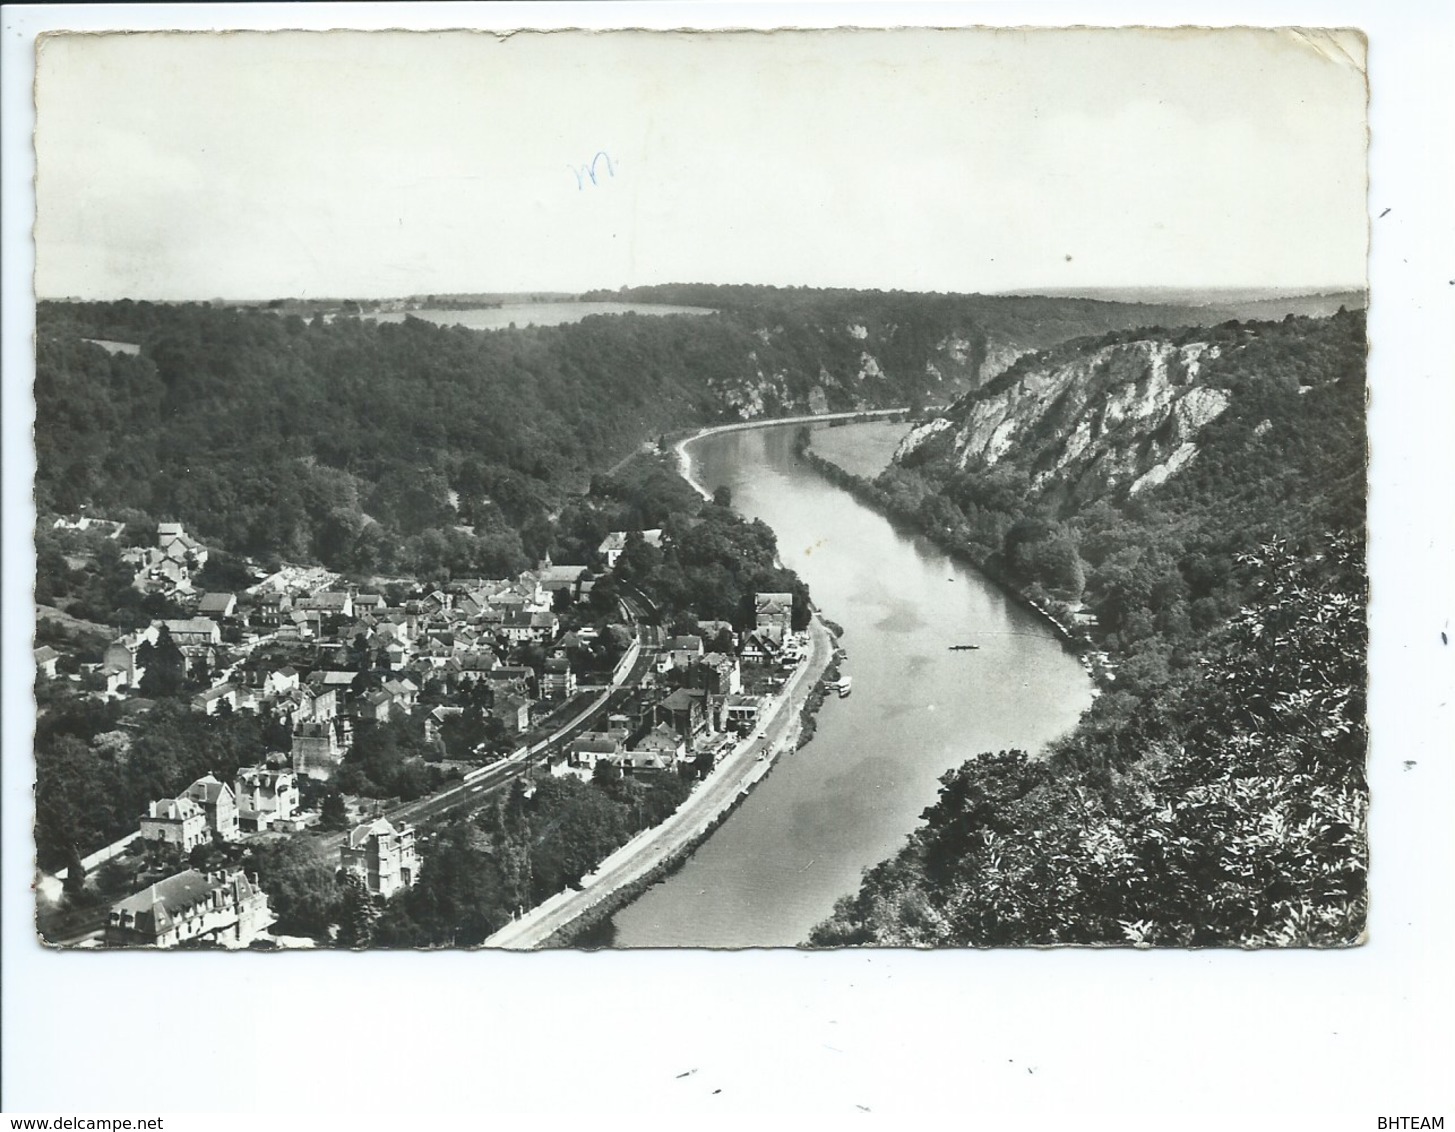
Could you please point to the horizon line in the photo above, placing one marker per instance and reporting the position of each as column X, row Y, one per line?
column 1027, row 291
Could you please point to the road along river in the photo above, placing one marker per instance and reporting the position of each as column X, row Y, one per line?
column 847, row 800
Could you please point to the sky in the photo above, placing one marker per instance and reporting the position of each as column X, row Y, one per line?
column 356, row 164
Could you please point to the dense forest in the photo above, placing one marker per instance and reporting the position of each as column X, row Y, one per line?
column 1020, row 322
column 368, row 447
column 410, row 447
column 1214, row 793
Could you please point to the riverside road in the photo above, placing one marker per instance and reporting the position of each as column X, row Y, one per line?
column 749, row 761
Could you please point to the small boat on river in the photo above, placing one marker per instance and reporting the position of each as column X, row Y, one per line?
column 963, row 648
column 844, row 686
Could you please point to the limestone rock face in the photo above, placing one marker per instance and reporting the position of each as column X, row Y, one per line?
column 1124, row 416
column 853, row 364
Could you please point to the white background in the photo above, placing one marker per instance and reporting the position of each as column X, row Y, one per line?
column 1053, row 1036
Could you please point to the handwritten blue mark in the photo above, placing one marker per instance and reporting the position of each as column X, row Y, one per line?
column 586, row 173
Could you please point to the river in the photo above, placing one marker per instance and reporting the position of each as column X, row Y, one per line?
column 847, row 800
column 530, row 314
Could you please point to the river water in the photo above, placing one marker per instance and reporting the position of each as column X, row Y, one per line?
column 848, row 800
column 530, row 314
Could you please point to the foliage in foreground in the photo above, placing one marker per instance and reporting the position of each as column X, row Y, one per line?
column 1240, row 820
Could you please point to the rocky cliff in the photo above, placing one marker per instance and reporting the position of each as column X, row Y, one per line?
column 796, row 350
column 1084, row 422
column 822, row 365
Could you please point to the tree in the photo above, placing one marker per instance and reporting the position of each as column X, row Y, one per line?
column 166, row 671
column 300, row 884
column 722, row 496
column 75, row 882
column 606, row 774
column 333, row 814
column 357, row 913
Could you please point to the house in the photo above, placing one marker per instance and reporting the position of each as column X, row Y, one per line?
column 308, row 622
column 316, row 749
column 558, row 681
column 200, row 631
column 477, row 665
column 720, row 674
column 368, row 603
column 562, row 579
column 646, row 759
column 435, row 719
column 271, row 609
column 217, row 605
column 740, row 712
column 507, row 600
column 281, row 680
column 403, row 690
column 684, row 651
column 611, row 547
column 178, row 822
column 661, row 746
column 329, row 603
column 45, row 661
column 121, row 655
column 176, row 544
column 218, row 804
column 169, row 574
column 773, row 614
column 513, row 712
column 592, row 747
column 211, row 701
column 511, row 677
column 226, row 908
column 375, row 705
column 687, row 711
column 316, row 705
column 479, row 606
column 265, row 796
column 758, row 648
column 521, row 625
column 613, row 544
column 382, row 855
column 338, row 681
column 435, row 653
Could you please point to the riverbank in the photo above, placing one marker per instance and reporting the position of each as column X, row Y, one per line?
column 796, row 739
column 846, row 801
column 653, row 853
column 1073, row 636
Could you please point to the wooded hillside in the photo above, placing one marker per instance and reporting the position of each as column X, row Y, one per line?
column 1214, row 793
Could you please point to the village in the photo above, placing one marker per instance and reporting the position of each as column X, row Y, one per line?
column 559, row 671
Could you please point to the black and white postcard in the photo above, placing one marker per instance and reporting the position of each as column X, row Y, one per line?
column 599, row 490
